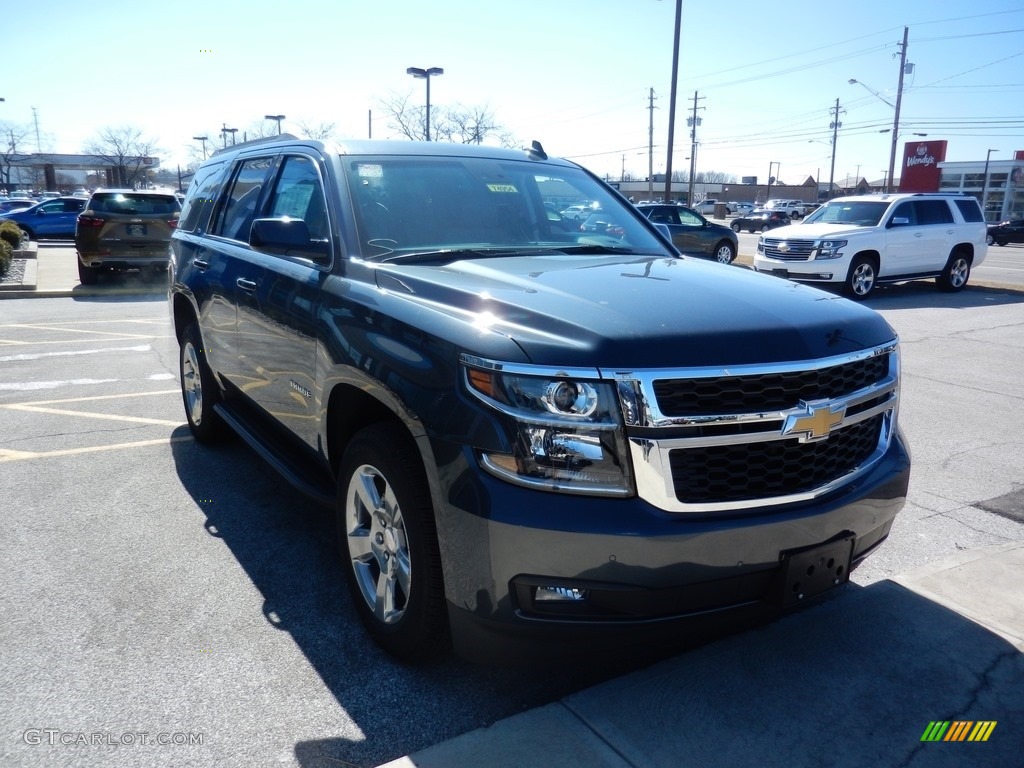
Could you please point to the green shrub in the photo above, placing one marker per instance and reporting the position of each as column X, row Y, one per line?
column 6, row 256
column 10, row 233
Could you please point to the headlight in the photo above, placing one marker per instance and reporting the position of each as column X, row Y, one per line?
column 830, row 249
column 564, row 428
column 760, row 245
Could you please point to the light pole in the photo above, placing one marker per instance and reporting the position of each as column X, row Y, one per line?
column 203, row 139
column 278, row 118
column 224, row 131
column 425, row 74
column 778, row 169
column 984, row 184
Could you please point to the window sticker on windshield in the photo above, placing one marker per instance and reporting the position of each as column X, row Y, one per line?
column 369, row 171
column 502, row 188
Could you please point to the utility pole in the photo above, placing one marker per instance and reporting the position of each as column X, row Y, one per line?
column 896, row 119
column 672, row 102
column 693, row 121
column 650, row 148
column 35, row 119
column 834, row 125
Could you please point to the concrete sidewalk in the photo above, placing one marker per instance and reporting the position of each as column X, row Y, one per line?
column 51, row 270
column 872, row 667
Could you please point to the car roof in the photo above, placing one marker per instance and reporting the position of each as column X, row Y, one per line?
column 392, row 147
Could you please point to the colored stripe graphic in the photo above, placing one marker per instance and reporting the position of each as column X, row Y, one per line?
column 959, row 730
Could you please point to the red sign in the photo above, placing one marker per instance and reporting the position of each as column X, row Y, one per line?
column 920, row 172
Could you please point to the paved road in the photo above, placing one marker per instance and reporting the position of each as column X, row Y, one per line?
column 160, row 587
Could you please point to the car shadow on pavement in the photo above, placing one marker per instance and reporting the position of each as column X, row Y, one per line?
column 286, row 546
column 923, row 293
column 852, row 679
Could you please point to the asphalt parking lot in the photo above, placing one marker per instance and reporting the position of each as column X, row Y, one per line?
column 170, row 604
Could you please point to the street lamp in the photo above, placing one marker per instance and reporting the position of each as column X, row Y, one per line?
column 778, row 169
column 203, row 139
column 278, row 118
column 425, row 74
column 984, row 184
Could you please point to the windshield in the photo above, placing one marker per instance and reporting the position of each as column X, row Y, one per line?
column 862, row 213
column 417, row 205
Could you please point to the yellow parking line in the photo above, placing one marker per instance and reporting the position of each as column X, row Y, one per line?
column 78, row 330
column 98, row 397
column 13, row 342
column 8, row 455
column 89, row 415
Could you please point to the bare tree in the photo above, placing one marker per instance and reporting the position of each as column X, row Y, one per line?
column 459, row 123
column 12, row 144
column 320, row 131
column 125, row 150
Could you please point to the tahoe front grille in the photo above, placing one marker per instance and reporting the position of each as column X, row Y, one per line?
column 765, row 391
column 788, row 250
column 707, row 440
column 751, row 471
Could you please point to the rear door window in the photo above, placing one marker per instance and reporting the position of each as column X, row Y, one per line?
column 933, row 212
column 234, row 219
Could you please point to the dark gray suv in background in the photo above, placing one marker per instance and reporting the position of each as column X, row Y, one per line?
column 692, row 234
column 534, row 439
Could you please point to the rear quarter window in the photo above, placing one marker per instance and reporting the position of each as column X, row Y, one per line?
column 970, row 210
column 195, row 213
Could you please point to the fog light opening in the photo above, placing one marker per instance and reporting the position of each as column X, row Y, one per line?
column 560, row 594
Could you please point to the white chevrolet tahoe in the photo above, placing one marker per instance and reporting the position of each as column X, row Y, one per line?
column 860, row 241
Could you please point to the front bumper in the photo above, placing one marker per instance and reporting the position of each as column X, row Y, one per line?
column 640, row 568
column 826, row 271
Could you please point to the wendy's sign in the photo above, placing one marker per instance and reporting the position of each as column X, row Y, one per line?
column 920, row 172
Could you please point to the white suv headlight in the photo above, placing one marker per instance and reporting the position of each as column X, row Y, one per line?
column 830, row 249
column 564, row 429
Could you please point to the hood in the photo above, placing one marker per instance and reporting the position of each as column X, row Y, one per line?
column 637, row 312
column 816, row 231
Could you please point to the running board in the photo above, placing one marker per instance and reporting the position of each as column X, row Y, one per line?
column 308, row 480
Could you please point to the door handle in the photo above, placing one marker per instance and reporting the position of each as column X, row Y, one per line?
column 200, row 264
column 919, row 234
column 246, row 285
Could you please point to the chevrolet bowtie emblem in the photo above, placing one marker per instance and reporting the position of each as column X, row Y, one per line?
column 815, row 423
column 783, row 246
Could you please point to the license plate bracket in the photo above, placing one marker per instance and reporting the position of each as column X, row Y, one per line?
column 137, row 230
column 781, row 272
column 810, row 571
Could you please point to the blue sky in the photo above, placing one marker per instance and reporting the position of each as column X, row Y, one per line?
column 574, row 74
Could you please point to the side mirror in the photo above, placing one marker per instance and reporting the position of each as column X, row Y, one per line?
column 288, row 237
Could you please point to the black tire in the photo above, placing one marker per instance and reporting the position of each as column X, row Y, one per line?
column 388, row 542
column 955, row 274
column 87, row 275
column 199, row 390
column 862, row 278
column 989, row 240
column 764, row 228
column 1001, row 243
column 27, row 234
column 724, row 252
column 736, row 227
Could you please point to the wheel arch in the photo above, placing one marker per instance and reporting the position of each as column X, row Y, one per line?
column 350, row 409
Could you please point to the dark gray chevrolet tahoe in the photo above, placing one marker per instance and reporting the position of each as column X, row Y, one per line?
column 534, row 436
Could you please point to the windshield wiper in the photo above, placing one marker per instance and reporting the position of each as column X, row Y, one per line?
column 449, row 254
column 595, row 248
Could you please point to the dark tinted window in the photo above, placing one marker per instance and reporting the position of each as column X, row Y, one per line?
column 969, row 209
column 235, row 218
column 202, row 192
column 933, row 212
column 134, row 204
column 299, row 194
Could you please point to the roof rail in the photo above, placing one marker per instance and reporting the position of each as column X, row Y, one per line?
column 256, row 142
